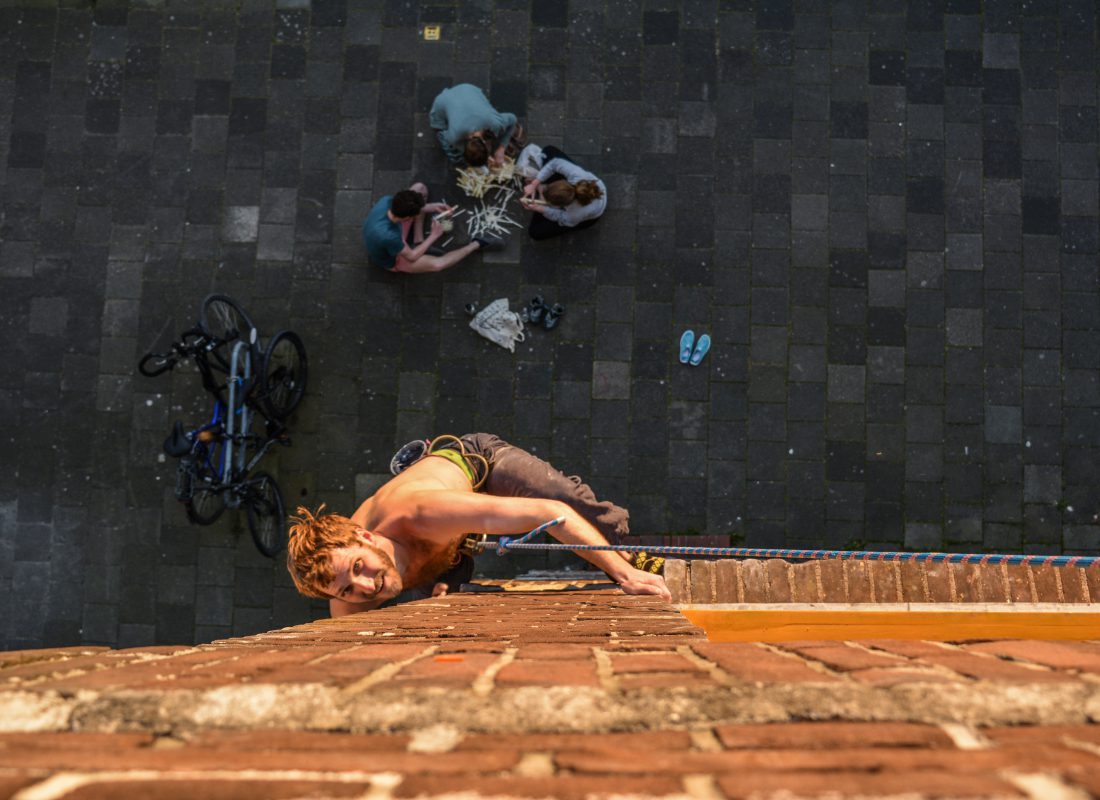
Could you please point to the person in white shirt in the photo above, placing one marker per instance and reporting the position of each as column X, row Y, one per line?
column 563, row 197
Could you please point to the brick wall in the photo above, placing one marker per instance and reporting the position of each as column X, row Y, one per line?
column 774, row 580
column 564, row 694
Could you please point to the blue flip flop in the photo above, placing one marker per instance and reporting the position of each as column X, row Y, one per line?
column 701, row 348
column 687, row 341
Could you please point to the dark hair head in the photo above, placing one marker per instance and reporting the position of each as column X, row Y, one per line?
column 559, row 193
column 406, row 203
column 478, row 148
column 587, row 191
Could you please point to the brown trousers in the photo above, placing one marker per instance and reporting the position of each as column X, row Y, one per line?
column 514, row 472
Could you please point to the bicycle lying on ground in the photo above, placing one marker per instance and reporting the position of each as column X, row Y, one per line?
column 216, row 460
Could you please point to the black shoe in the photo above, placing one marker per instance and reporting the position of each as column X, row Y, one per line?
column 536, row 309
column 490, row 242
column 550, row 321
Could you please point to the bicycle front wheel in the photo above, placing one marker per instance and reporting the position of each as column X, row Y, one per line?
column 284, row 374
column 221, row 318
column 266, row 514
column 153, row 364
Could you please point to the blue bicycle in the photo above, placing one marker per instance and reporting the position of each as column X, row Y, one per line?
column 216, row 460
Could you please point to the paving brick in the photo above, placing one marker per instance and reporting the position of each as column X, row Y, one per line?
column 754, row 581
column 885, row 583
column 702, row 582
column 841, row 657
column 535, row 673
column 727, row 581
column 992, row 583
column 1020, row 589
column 751, row 663
column 867, row 783
column 651, row 662
column 830, row 735
column 1059, row 655
column 458, row 670
column 833, row 582
column 993, row 669
column 803, row 582
column 912, row 582
column 938, row 580
column 779, row 586
column 858, row 574
column 1074, row 585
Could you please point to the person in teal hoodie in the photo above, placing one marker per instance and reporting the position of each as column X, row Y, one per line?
column 393, row 234
column 469, row 129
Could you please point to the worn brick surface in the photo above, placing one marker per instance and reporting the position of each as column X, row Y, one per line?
column 803, row 581
column 567, row 693
column 967, row 583
column 884, row 579
column 830, row 735
column 840, row 657
column 834, row 586
column 778, row 581
column 912, row 582
column 858, row 574
column 749, row 662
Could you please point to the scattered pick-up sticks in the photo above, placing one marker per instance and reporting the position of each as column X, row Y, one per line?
column 492, row 218
column 476, row 181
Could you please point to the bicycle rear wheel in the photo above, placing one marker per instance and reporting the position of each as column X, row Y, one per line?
column 266, row 514
column 207, row 498
column 285, row 367
column 221, row 318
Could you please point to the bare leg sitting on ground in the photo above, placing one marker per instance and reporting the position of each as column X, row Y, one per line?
column 428, row 263
column 410, row 261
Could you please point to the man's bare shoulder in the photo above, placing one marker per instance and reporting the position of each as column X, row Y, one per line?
column 429, row 477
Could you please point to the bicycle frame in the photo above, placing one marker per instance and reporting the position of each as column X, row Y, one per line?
column 234, row 382
column 234, row 417
column 211, row 450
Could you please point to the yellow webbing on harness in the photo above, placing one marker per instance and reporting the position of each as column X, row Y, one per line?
column 460, row 457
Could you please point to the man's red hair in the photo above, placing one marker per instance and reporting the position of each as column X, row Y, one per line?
column 313, row 537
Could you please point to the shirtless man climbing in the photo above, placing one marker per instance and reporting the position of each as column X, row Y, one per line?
column 409, row 531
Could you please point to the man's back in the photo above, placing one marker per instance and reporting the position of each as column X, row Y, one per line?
column 381, row 235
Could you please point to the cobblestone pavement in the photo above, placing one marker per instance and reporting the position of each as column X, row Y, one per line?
column 570, row 694
column 887, row 221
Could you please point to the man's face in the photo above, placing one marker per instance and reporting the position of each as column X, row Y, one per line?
column 363, row 574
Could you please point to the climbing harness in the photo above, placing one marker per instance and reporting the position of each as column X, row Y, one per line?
column 505, row 543
column 443, row 445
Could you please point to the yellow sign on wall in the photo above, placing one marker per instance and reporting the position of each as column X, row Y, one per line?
column 431, row 33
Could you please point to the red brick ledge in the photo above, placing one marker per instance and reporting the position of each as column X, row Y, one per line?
column 532, row 695
column 548, row 662
column 774, row 580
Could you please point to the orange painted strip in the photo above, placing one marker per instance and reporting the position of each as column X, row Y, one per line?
column 839, row 624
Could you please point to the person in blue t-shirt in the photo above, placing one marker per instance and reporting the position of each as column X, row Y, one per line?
column 394, row 234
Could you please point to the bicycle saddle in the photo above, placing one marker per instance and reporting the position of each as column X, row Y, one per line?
column 177, row 444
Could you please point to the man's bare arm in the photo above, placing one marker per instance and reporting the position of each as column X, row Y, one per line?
column 341, row 608
column 444, row 515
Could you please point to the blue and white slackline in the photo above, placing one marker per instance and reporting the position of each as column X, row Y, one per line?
column 506, row 544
